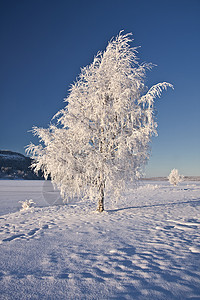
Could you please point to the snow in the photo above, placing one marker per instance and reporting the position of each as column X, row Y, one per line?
column 14, row 156
column 145, row 246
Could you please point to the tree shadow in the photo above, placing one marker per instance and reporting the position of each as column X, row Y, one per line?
column 195, row 202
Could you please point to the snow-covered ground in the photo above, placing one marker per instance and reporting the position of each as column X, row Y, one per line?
column 146, row 246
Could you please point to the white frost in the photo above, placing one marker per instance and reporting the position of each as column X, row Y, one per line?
column 101, row 140
column 27, row 204
column 174, row 177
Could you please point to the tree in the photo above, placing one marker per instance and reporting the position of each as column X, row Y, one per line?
column 174, row 177
column 100, row 140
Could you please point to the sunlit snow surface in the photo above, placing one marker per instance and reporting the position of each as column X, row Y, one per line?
column 146, row 246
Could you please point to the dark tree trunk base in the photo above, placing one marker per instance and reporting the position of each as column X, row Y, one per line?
column 101, row 199
column 100, row 209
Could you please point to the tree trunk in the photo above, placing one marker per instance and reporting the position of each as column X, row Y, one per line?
column 100, row 207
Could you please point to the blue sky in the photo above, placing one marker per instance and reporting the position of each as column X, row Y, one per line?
column 44, row 43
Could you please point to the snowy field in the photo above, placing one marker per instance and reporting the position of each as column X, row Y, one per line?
column 146, row 246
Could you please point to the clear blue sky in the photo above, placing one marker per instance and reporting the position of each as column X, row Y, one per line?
column 44, row 43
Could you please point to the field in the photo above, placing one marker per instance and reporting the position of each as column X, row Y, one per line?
column 145, row 246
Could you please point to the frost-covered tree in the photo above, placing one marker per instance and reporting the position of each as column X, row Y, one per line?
column 174, row 177
column 100, row 140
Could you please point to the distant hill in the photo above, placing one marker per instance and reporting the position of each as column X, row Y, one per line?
column 14, row 165
column 186, row 178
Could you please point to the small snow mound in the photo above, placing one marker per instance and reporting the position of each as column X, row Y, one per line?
column 194, row 249
column 149, row 186
column 113, row 251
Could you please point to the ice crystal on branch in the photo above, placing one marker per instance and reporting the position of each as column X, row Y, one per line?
column 101, row 139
